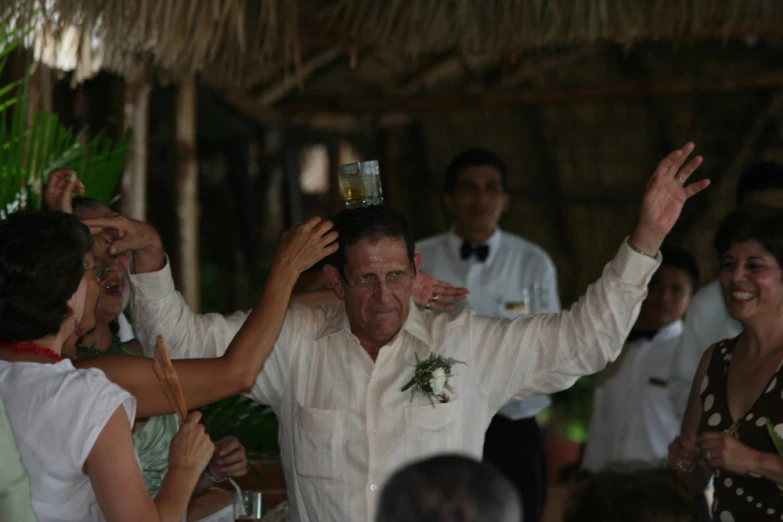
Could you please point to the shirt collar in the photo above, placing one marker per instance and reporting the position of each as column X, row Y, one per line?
column 455, row 243
column 415, row 324
column 667, row 332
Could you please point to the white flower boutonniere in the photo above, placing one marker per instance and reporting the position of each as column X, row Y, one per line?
column 431, row 378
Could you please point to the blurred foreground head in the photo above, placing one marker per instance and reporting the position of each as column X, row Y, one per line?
column 449, row 488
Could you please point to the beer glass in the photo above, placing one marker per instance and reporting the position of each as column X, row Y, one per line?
column 361, row 184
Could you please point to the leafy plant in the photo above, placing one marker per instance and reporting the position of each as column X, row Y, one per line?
column 255, row 425
column 28, row 156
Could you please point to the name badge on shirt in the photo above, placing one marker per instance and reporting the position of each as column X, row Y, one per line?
column 657, row 381
column 517, row 307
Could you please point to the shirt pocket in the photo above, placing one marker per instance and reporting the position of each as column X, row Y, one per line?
column 319, row 442
column 433, row 429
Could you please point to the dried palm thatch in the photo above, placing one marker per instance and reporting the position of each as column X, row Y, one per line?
column 242, row 43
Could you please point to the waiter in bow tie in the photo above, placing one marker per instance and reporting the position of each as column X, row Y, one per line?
column 507, row 276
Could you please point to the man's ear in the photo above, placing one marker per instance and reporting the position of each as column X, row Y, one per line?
column 506, row 201
column 335, row 280
column 417, row 262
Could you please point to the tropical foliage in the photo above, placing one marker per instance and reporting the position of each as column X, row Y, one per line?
column 31, row 150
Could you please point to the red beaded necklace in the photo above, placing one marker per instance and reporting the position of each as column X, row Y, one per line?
column 31, row 348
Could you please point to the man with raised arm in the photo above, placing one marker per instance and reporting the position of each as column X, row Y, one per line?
column 371, row 383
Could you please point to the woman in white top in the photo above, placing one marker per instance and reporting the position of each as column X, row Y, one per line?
column 73, row 426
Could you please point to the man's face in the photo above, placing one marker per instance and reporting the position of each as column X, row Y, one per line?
column 478, row 200
column 668, row 298
column 376, row 288
column 769, row 197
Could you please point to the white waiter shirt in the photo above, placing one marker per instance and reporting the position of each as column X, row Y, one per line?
column 345, row 424
column 512, row 268
column 633, row 421
column 707, row 322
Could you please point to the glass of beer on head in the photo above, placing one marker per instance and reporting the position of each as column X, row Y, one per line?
column 361, row 184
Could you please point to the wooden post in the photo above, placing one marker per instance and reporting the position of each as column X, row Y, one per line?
column 136, row 102
column 336, row 200
column 187, row 191
column 390, row 166
column 293, row 184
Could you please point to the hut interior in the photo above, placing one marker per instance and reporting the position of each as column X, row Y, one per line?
column 243, row 111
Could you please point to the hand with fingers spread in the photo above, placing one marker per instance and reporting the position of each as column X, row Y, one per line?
column 229, row 460
column 62, row 186
column 436, row 294
column 683, row 453
column 304, row 244
column 722, row 451
column 666, row 194
column 131, row 236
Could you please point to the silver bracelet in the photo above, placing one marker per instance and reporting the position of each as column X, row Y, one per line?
column 212, row 478
column 639, row 251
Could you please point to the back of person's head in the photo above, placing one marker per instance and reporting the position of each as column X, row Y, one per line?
column 371, row 223
column 681, row 259
column 448, row 488
column 472, row 158
column 659, row 495
column 759, row 178
column 752, row 223
column 42, row 256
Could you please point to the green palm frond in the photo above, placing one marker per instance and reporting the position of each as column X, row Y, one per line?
column 28, row 155
column 253, row 424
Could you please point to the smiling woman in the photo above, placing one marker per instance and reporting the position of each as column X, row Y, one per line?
column 737, row 389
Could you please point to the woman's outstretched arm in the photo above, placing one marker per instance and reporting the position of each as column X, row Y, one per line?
column 207, row 380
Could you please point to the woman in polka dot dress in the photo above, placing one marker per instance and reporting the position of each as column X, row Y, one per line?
column 738, row 387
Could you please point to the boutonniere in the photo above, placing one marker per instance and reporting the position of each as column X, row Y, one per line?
column 431, row 378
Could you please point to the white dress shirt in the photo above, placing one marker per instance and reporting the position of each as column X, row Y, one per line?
column 498, row 286
column 633, row 421
column 346, row 424
column 125, row 332
column 707, row 322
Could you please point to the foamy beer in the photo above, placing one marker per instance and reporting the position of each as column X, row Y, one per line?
column 361, row 184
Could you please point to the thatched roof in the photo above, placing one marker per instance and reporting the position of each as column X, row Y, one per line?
column 249, row 44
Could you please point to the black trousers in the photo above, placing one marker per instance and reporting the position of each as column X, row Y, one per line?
column 516, row 448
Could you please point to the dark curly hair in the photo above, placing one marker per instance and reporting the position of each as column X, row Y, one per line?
column 42, row 257
column 752, row 223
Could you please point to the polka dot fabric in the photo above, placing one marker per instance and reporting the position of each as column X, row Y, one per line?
column 742, row 497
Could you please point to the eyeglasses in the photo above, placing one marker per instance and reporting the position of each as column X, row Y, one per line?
column 100, row 269
column 370, row 282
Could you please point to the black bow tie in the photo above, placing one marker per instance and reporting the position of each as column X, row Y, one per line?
column 635, row 335
column 468, row 250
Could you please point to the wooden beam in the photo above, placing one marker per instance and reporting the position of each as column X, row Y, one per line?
column 692, row 215
column 531, row 69
column 187, row 191
column 501, row 100
column 136, row 107
column 443, row 68
column 276, row 92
